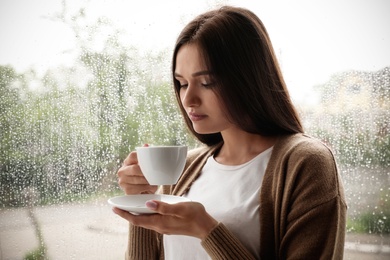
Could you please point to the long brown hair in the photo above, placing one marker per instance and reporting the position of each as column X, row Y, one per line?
column 238, row 52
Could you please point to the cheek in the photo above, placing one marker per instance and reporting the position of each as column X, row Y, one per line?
column 179, row 98
column 223, row 113
column 218, row 105
column 181, row 94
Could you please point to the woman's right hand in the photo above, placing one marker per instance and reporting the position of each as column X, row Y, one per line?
column 130, row 177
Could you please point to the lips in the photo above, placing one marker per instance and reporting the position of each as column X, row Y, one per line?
column 196, row 117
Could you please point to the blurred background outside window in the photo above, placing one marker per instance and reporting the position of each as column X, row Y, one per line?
column 82, row 83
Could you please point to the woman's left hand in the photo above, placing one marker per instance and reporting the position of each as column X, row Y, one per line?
column 184, row 218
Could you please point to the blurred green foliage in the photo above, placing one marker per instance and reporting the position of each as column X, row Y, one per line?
column 374, row 221
column 65, row 141
column 64, row 134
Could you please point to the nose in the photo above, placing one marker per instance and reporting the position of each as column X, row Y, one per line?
column 189, row 96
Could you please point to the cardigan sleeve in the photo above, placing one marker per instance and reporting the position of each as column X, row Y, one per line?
column 143, row 244
column 221, row 244
column 313, row 209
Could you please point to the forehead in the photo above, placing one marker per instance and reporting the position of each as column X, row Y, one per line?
column 189, row 59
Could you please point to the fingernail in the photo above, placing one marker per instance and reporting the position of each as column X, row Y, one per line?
column 151, row 204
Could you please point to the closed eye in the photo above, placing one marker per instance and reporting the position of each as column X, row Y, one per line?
column 208, row 85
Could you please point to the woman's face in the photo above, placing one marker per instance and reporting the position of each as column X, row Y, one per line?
column 197, row 96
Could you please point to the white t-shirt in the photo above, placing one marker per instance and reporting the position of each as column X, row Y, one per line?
column 231, row 195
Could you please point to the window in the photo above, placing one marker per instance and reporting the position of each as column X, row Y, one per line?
column 84, row 82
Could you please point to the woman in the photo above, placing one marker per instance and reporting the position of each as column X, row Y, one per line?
column 260, row 187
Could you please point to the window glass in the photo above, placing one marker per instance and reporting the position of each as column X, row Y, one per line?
column 82, row 83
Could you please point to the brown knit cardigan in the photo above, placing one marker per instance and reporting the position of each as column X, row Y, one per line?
column 302, row 207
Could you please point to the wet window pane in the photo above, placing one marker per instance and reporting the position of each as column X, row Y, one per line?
column 82, row 83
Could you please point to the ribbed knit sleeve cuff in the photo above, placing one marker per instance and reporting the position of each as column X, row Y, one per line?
column 142, row 245
column 221, row 244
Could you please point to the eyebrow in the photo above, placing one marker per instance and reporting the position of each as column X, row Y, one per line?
column 196, row 74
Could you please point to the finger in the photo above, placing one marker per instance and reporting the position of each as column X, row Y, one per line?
column 131, row 159
column 132, row 171
column 139, row 189
column 147, row 221
column 122, row 213
column 165, row 208
column 128, row 176
column 144, row 220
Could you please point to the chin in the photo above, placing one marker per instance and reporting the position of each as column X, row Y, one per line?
column 205, row 131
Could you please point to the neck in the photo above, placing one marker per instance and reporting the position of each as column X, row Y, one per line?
column 240, row 147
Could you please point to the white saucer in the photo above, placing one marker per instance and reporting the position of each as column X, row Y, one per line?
column 136, row 203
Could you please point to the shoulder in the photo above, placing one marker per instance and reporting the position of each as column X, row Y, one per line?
column 301, row 141
column 301, row 160
column 307, row 166
column 301, row 147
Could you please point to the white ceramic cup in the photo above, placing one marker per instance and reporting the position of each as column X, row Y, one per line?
column 162, row 165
